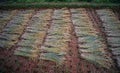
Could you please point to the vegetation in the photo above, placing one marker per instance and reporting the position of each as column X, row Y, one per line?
column 13, row 4
column 56, row 5
column 98, row 1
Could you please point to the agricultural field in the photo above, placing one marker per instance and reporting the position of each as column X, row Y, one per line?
column 60, row 40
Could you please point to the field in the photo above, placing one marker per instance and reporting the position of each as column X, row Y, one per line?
column 60, row 40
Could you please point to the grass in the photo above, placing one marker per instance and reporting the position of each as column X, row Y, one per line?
column 98, row 1
column 56, row 5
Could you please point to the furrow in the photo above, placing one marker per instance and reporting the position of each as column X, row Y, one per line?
column 34, row 34
column 90, row 44
column 72, row 58
column 5, row 17
column 14, row 29
column 112, row 29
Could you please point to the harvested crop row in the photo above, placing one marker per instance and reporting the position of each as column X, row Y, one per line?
column 55, row 46
column 34, row 34
column 14, row 29
column 89, row 41
column 56, row 43
column 5, row 17
column 98, row 25
column 112, row 29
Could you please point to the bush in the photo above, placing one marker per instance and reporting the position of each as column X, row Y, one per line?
column 2, row 0
column 115, row 1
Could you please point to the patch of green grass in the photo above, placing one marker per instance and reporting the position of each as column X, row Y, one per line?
column 98, row 1
column 92, row 1
column 55, row 5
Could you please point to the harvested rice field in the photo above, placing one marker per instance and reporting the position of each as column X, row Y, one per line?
column 65, row 40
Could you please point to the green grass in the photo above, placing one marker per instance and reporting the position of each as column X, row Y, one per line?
column 56, row 5
column 97, row 1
